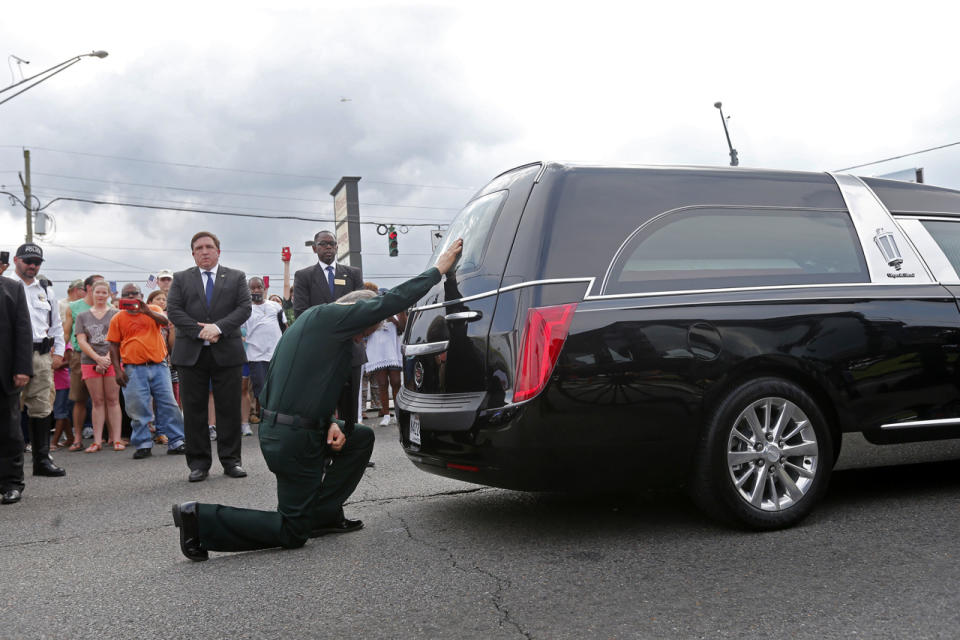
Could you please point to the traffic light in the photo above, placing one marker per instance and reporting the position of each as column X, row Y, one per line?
column 392, row 241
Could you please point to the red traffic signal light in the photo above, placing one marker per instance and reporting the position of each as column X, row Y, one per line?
column 392, row 241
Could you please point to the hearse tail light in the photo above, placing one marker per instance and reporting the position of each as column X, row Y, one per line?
column 888, row 247
column 543, row 336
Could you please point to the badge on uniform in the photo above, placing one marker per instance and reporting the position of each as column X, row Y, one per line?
column 339, row 281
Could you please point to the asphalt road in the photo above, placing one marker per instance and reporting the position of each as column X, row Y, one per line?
column 96, row 555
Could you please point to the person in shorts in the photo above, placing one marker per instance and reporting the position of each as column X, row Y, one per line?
column 78, row 389
column 62, row 406
column 99, row 375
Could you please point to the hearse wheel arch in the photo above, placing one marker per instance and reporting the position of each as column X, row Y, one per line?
column 765, row 457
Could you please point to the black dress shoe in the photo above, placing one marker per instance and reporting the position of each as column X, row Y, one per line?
column 198, row 475
column 344, row 526
column 46, row 468
column 11, row 496
column 185, row 517
column 235, row 472
column 140, row 454
column 182, row 449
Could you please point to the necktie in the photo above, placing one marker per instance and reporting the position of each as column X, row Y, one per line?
column 209, row 287
column 330, row 278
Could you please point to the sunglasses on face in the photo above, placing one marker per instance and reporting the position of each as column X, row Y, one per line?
column 130, row 294
column 33, row 262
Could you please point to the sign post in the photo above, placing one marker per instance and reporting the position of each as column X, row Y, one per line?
column 346, row 214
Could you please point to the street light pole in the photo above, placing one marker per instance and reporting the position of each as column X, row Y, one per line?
column 734, row 160
column 49, row 73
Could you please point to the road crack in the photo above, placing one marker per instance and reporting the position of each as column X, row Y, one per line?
column 502, row 584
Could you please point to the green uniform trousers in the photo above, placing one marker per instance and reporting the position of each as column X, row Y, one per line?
column 295, row 455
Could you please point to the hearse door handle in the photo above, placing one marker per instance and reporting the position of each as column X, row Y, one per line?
column 425, row 348
column 469, row 316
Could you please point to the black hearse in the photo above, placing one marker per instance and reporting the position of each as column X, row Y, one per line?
column 719, row 328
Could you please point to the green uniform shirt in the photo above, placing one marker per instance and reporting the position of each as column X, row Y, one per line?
column 313, row 358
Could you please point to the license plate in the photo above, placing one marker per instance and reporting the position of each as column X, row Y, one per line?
column 414, row 428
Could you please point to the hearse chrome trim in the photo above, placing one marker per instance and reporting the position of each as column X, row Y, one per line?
column 869, row 216
column 704, row 303
column 512, row 287
column 425, row 348
column 469, row 316
column 678, row 292
column 773, row 287
column 629, row 238
column 914, row 424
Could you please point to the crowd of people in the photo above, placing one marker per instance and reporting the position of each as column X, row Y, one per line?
column 106, row 369
column 182, row 366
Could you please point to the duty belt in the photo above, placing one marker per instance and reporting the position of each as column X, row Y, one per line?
column 293, row 421
column 44, row 346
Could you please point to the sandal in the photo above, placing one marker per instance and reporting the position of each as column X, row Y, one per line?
column 119, row 446
column 96, row 446
column 76, row 446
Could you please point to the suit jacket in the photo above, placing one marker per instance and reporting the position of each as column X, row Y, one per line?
column 310, row 288
column 229, row 309
column 16, row 334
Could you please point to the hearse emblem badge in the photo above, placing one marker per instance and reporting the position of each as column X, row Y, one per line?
column 418, row 374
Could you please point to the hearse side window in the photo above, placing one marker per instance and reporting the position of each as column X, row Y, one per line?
column 473, row 224
column 718, row 248
column 947, row 235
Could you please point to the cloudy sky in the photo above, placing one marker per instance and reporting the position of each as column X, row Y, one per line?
column 259, row 108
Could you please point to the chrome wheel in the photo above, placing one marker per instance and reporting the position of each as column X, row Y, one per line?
column 772, row 454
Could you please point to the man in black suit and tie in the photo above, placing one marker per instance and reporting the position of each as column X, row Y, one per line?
column 207, row 304
column 16, row 368
column 324, row 283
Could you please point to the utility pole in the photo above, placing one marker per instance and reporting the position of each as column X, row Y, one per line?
column 26, row 193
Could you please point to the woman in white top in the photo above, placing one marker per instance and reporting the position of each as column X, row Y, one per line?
column 383, row 358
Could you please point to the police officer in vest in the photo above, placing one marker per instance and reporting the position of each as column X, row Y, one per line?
column 48, row 348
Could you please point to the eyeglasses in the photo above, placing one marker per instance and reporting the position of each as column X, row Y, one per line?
column 326, row 243
column 33, row 262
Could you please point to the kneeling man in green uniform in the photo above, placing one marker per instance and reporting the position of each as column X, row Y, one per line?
column 298, row 433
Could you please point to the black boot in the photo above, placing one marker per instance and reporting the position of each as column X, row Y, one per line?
column 40, row 439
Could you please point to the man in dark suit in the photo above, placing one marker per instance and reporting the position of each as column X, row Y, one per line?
column 16, row 368
column 324, row 283
column 207, row 304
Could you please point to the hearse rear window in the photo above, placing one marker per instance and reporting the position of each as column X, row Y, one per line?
column 947, row 235
column 473, row 224
column 718, row 248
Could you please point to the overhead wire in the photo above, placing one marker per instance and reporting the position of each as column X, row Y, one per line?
column 235, row 213
column 905, row 155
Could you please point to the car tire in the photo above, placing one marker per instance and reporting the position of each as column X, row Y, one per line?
column 765, row 457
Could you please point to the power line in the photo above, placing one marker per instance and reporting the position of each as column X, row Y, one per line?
column 905, row 155
column 232, row 250
column 234, row 193
column 54, row 196
column 250, row 171
column 230, row 213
